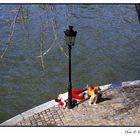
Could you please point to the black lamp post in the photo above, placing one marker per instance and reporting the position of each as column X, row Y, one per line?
column 70, row 36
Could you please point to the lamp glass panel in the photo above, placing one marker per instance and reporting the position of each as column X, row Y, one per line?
column 69, row 40
column 73, row 41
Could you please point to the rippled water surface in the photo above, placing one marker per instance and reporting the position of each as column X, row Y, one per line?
column 34, row 69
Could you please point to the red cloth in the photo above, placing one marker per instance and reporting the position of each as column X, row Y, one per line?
column 75, row 94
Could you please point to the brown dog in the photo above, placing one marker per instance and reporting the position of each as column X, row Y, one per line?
column 92, row 93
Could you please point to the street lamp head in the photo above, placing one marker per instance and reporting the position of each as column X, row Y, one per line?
column 70, row 36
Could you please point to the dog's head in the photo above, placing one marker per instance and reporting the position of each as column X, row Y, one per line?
column 97, row 89
column 90, row 90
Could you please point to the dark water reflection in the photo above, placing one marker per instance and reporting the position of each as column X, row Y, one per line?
column 107, row 50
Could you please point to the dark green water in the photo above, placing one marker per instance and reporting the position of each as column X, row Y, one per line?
column 107, row 50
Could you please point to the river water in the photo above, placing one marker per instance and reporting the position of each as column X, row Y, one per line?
column 34, row 68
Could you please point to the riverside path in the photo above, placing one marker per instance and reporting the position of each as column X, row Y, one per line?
column 120, row 106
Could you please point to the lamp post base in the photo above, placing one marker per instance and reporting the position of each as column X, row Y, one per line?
column 70, row 106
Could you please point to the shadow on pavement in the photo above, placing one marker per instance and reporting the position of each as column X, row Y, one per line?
column 99, row 100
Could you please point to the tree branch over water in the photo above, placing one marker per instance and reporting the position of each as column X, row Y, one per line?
column 138, row 10
column 55, row 33
column 12, row 28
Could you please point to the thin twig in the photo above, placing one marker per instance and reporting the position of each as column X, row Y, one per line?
column 137, row 6
column 54, row 41
column 41, row 56
column 51, row 46
column 41, row 45
column 12, row 27
column 62, row 49
column 55, row 34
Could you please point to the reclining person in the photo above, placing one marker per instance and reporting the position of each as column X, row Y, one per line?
column 76, row 94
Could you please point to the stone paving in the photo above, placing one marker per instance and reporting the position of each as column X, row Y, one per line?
column 118, row 107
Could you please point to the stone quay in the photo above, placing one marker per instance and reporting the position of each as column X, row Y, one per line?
column 119, row 106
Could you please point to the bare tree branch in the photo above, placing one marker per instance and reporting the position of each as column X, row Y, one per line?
column 138, row 10
column 12, row 28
